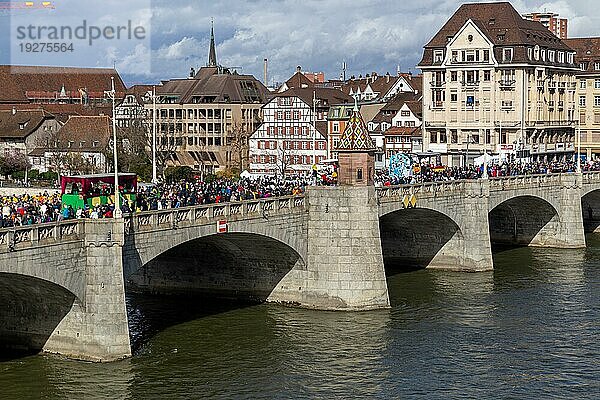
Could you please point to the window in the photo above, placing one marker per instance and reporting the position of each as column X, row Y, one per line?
column 296, row 131
column 410, row 124
column 359, row 174
column 529, row 53
column 405, row 113
column 501, row 37
column 453, row 76
column 582, row 84
column 543, row 54
column 561, row 57
column 454, row 136
column 507, row 55
column 453, row 97
column 443, row 138
column 297, row 114
column 486, row 76
column 288, row 115
column 597, row 84
column 455, row 56
column 583, row 66
column 581, row 101
column 279, row 115
column 433, row 137
column 486, row 55
column 551, row 55
column 597, row 66
column 488, row 136
column 438, row 56
column 596, row 101
column 335, row 128
column 321, row 145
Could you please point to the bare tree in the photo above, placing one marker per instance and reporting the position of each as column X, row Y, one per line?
column 238, row 140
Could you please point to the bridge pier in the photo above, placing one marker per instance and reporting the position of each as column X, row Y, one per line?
column 469, row 249
column 568, row 232
column 344, row 265
column 95, row 328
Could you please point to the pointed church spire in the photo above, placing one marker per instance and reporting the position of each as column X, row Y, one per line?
column 212, row 54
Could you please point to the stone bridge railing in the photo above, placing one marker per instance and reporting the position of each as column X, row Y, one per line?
column 429, row 189
column 591, row 177
column 197, row 215
column 17, row 238
column 521, row 181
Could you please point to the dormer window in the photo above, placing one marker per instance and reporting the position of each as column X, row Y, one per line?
column 438, row 56
column 596, row 66
column 492, row 21
column 529, row 53
column 536, row 53
column 501, row 37
column 22, row 125
column 507, row 55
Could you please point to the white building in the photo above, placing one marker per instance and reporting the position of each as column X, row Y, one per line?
column 293, row 135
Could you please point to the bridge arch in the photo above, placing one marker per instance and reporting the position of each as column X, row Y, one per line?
column 524, row 220
column 248, row 262
column 30, row 310
column 420, row 238
column 590, row 209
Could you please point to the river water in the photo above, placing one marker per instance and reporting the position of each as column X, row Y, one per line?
column 530, row 329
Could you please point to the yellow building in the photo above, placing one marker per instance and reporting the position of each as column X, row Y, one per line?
column 588, row 93
column 494, row 81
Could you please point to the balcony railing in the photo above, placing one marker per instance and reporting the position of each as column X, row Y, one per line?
column 507, row 83
column 470, row 83
column 437, row 84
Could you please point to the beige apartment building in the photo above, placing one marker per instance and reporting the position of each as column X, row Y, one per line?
column 494, row 81
column 204, row 121
column 588, row 93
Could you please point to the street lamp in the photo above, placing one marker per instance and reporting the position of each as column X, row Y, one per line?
column 117, row 213
column 578, row 138
column 154, row 180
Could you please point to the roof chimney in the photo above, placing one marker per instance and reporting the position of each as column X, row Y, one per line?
column 192, row 72
column 266, row 82
column 14, row 111
column 298, row 69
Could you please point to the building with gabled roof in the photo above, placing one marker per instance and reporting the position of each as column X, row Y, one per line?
column 293, row 135
column 499, row 83
column 21, row 130
column 587, row 57
column 381, row 88
column 79, row 146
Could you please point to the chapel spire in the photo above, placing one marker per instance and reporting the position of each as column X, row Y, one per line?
column 212, row 54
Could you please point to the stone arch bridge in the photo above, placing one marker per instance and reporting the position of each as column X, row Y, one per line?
column 62, row 286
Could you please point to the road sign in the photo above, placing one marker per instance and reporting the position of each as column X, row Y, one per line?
column 222, row 226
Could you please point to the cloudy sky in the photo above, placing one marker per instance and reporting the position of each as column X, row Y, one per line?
column 370, row 35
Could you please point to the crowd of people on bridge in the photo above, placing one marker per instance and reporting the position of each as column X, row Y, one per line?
column 26, row 209
column 430, row 173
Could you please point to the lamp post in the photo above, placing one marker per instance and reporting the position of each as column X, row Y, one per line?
column 117, row 213
column 578, row 138
column 154, row 180
column 314, row 144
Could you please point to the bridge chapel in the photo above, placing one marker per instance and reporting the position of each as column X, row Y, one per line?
column 356, row 153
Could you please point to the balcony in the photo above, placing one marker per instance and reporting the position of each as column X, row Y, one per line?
column 437, row 105
column 437, row 84
column 552, row 85
column 507, row 83
column 470, row 83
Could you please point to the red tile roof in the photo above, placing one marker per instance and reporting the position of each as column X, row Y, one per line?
column 21, row 84
column 587, row 51
column 21, row 123
column 501, row 24
column 83, row 131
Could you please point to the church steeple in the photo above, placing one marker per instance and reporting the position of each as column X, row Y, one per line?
column 212, row 54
